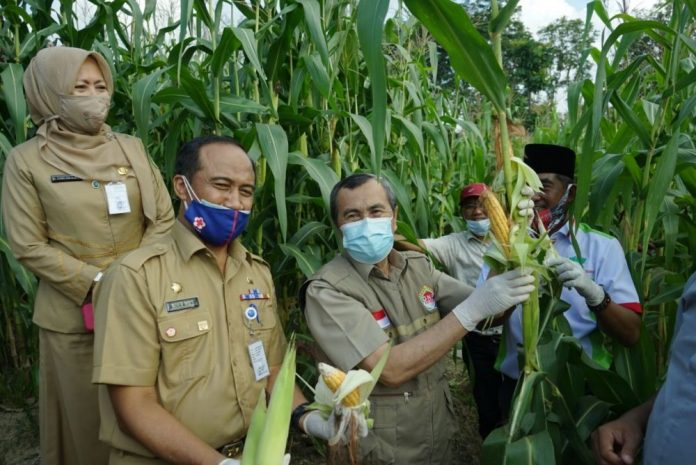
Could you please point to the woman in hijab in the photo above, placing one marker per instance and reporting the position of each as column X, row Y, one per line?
column 74, row 198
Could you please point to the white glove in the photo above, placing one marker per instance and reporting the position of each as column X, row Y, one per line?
column 315, row 425
column 495, row 296
column 525, row 207
column 571, row 274
column 335, row 429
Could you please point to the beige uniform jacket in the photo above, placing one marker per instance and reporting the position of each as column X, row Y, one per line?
column 60, row 228
column 166, row 317
column 351, row 310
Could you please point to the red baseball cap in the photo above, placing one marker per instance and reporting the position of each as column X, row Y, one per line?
column 472, row 190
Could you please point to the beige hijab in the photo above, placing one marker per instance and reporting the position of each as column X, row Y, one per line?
column 52, row 74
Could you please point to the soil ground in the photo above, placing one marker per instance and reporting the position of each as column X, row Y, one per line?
column 19, row 435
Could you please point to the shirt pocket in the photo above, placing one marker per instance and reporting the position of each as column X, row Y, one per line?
column 186, row 345
column 258, row 316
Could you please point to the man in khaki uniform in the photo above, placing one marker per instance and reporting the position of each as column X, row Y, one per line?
column 372, row 296
column 177, row 322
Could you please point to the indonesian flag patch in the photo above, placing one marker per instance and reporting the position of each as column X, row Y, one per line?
column 381, row 318
column 198, row 223
column 427, row 298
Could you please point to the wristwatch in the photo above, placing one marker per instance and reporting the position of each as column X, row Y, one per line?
column 297, row 414
column 597, row 309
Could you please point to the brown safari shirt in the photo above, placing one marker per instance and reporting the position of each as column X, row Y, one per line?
column 166, row 317
column 352, row 309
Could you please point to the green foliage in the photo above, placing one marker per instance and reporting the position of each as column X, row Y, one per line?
column 319, row 89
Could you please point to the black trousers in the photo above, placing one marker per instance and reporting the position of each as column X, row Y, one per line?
column 492, row 390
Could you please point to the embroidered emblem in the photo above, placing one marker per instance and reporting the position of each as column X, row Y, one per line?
column 203, row 325
column 381, row 318
column 427, row 298
column 198, row 223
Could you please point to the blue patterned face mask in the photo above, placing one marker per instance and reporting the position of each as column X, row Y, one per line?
column 369, row 240
column 479, row 227
column 215, row 224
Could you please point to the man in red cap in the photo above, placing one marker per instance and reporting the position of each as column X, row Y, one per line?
column 462, row 255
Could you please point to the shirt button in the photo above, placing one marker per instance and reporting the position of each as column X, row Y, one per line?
column 170, row 332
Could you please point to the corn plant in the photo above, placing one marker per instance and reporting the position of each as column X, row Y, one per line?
column 318, row 89
column 551, row 417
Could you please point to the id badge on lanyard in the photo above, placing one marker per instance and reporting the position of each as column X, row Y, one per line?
column 257, row 353
column 117, row 198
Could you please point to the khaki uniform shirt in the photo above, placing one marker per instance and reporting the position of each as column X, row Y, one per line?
column 166, row 317
column 351, row 310
column 60, row 229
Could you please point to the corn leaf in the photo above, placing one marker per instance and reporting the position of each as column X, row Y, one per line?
column 470, row 54
column 274, row 145
column 370, row 22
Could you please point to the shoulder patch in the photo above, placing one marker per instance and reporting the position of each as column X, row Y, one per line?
column 136, row 258
column 590, row 230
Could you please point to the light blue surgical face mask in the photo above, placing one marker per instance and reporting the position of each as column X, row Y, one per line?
column 479, row 227
column 369, row 240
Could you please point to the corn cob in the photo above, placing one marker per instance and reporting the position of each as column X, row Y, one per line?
column 333, row 377
column 500, row 227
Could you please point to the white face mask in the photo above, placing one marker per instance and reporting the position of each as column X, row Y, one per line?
column 84, row 113
column 479, row 227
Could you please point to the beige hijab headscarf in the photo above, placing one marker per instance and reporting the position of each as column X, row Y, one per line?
column 50, row 76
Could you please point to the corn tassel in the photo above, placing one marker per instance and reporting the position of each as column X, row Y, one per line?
column 271, row 445
column 500, row 226
column 333, row 377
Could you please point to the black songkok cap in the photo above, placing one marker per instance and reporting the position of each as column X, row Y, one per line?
column 549, row 158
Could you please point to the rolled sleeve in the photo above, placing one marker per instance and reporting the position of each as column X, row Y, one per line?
column 343, row 327
column 126, row 338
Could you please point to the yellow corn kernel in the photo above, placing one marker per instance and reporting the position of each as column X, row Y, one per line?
column 500, row 227
column 333, row 377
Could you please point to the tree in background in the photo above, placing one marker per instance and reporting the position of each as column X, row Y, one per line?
column 565, row 41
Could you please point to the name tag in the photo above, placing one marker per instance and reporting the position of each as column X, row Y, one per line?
column 183, row 304
column 258, row 360
column 117, row 198
column 64, row 178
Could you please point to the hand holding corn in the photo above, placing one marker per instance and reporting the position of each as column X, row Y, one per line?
column 495, row 296
column 572, row 275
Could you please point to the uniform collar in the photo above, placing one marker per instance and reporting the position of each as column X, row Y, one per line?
column 190, row 244
column 563, row 231
column 469, row 236
column 396, row 260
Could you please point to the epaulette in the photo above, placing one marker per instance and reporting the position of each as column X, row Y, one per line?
column 138, row 257
column 258, row 258
column 413, row 254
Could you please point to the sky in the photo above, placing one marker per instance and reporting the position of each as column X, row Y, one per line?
column 536, row 14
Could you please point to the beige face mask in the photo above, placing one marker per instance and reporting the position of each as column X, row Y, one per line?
column 84, row 113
